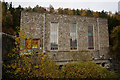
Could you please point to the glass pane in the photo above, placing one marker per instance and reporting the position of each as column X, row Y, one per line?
column 90, row 37
column 34, row 43
column 73, row 37
column 54, row 36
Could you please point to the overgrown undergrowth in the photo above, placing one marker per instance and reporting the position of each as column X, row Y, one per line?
column 40, row 66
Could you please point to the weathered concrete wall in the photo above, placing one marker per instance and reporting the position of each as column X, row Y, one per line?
column 33, row 25
column 7, row 46
column 36, row 20
column 104, row 37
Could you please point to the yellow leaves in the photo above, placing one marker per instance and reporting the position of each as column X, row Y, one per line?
column 43, row 58
column 8, row 66
column 15, row 42
column 14, row 66
column 71, row 12
column 96, row 14
column 36, row 66
column 83, row 14
column 60, row 10
column 17, row 71
column 41, row 54
column 45, row 55
column 47, row 69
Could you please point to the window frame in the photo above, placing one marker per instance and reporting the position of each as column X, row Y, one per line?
column 57, row 36
column 93, row 47
column 31, row 42
column 76, row 37
column 30, row 50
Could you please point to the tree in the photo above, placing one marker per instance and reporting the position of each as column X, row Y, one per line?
column 27, row 66
column 89, row 13
column 38, row 8
column 11, row 9
column 71, row 12
column 77, row 12
column 51, row 8
column 66, row 11
column 115, row 36
column 96, row 14
column 9, row 19
column 117, row 15
column 74, row 12
column 83, row 13
column 29, row 9
column 60, row 10
column 103, row 14
column 112, row 22
column 4, row 11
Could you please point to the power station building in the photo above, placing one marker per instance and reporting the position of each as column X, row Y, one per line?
column 63, row 35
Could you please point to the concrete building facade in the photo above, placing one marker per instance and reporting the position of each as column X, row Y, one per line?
column 63, row 35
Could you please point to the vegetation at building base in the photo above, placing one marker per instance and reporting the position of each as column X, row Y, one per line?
column 28, row 68
column 87, row 70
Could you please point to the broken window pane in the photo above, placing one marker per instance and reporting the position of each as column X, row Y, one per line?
column 30, row 44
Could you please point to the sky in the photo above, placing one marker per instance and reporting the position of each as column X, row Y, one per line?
column 95, row 5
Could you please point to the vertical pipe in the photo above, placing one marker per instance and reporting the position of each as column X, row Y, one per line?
column 98, row 36
column 1, row 40
column 44, row 33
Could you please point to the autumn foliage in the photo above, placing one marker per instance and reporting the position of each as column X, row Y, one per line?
column 39, row 65
column 87, row 70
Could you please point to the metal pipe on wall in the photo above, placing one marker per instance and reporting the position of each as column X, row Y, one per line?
column 44, row 15
column 98, row 36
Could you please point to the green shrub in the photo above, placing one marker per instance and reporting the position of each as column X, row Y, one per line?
column 87, row 70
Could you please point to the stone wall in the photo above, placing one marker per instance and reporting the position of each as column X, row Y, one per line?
column 34, row 22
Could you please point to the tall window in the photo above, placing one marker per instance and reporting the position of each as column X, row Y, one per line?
column 54, row 35
column 90, row 38
column 73, row 36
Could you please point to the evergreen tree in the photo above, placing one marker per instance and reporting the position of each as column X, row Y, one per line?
column 77, row 12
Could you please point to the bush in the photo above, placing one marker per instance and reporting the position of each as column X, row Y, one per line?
column 41, row 66
column 27, row 67
column 87, row 70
